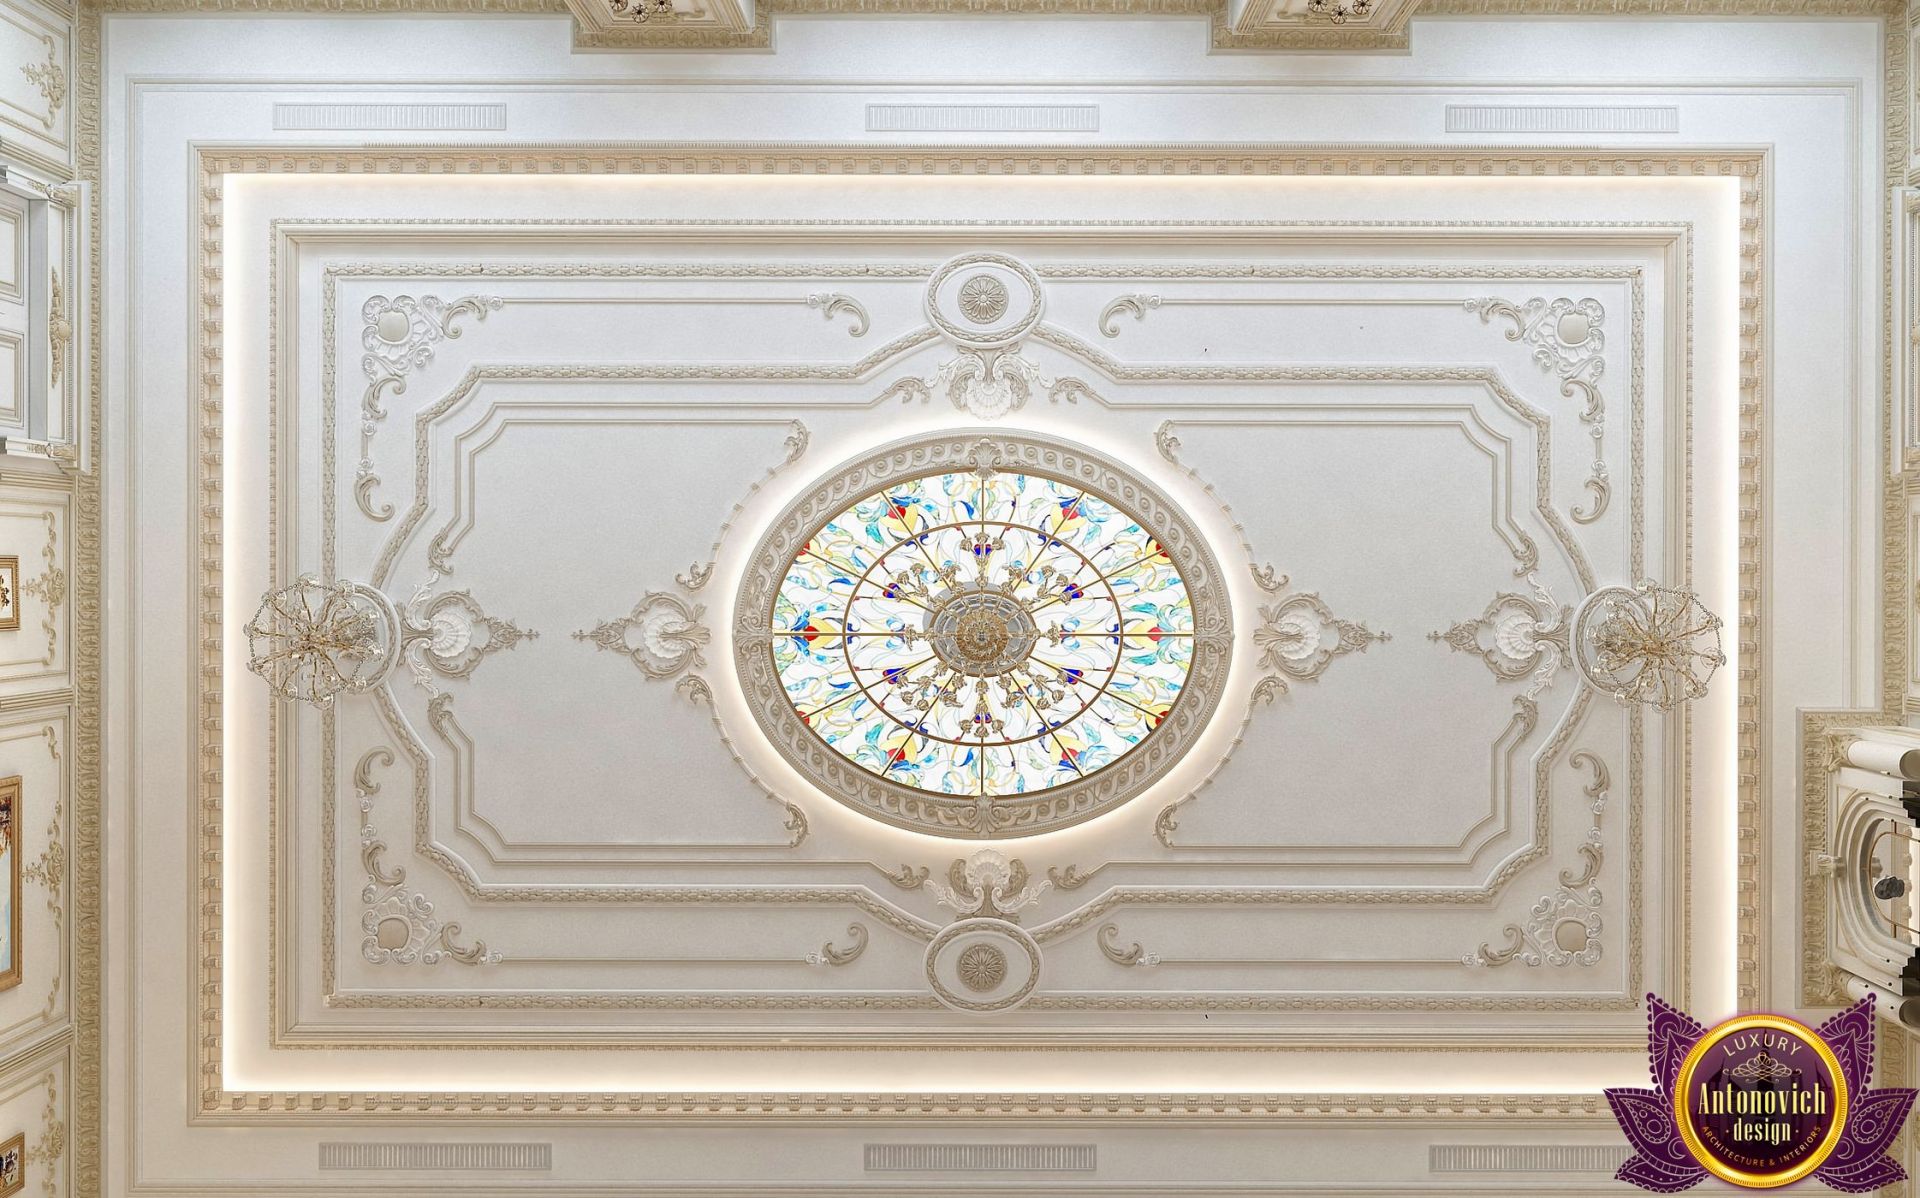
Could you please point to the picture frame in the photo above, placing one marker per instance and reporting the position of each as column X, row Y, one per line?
column 10, row 593
column 10, row 954
column 13, row 1165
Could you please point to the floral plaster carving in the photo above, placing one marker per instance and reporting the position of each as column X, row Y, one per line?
column 51, row 78
column 400, row 335
column 662, row 635
column 1299, row 637
column 986, row 384
column 988, row 885
column 1564, row 927
column 400, row 924
column 1517, row 636
column 1568, row 343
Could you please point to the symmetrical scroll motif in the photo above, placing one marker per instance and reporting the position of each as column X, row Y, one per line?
column 1299, row 637
column 1567, row 343
column 1648, row 644
column 986, row 384
column 1564, row 927
column 400, row 335
column 1517, row 636
column 51, row 78
column 459, row 631
column 313, row 640
column 400, row 925
column 49, row 870
column 662, row 635
column 49, row 586
column 988, row 885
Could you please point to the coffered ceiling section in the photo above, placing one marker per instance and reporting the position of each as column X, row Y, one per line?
column 749, row 632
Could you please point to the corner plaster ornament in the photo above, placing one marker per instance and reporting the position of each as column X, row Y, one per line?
column 1564, row 927
column 662, row 635
column 1647, row 644
column 987, row 884
column 1567, row 343
column 1517, row 636
column 399, row 923
column 312, row 641
column 1299, row 637
column 982, row 966
column 400, row 334
column 962, row 672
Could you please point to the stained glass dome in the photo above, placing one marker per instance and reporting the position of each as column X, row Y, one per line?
column 981, row 632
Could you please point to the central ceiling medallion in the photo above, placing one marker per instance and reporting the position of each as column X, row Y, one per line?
column 983, row 636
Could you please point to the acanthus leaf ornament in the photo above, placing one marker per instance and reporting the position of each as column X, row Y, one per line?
column 1517, row 636
column 400, row 334
column 1568, row 343
column 1648, row 644
column 988, row 885
column 662, row 635
column 986, row 384
column 1564, row 927
column 1299, row 637
column 399, row 923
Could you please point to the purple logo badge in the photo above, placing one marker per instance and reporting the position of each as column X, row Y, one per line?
column 1761, row 1101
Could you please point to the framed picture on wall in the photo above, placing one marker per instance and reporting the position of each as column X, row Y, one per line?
column 10, row 888
column 13, row 1162
column 9, row 592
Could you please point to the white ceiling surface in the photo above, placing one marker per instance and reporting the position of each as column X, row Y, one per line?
column 1809, row 91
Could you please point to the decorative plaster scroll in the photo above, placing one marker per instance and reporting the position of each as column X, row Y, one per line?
column 400, row 335
column 59, row 329
column 799, row 436
column 51, row 78
column 986, row 384
column 1564, row 927
column 1516, row 636
column 987, row 885
column 50, row 1146
column 400, row 925
column 49, row 586
column 459, row 634
column 1567, row 342
column 49, row 870
column 662, row 636
column 1299, row 637
column 829, row 955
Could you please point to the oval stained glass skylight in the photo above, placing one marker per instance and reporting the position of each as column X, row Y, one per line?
column 983, row 634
